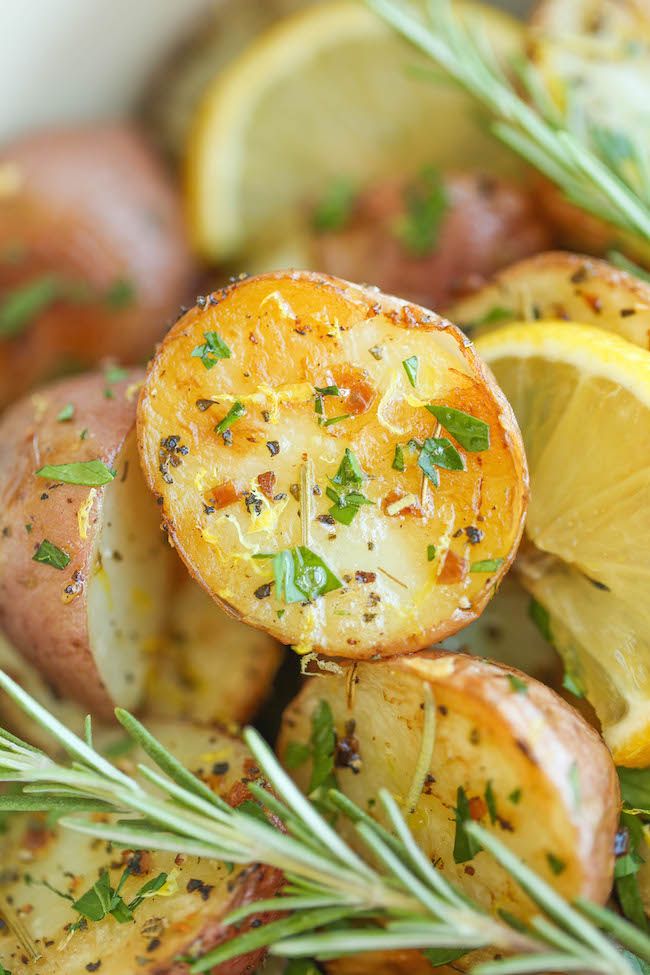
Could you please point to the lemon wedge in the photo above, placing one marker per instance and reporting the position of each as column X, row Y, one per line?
column 582, row 399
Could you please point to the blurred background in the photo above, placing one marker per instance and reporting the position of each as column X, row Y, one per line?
column 67, row 61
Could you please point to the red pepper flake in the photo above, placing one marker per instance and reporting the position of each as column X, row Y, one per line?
column 477, row 808
column 454, row 569
column 266, row 483
column 392, row 497
column 224, row 494
column 361, row 576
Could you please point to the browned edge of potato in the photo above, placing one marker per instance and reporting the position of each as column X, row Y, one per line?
column 531, row 770
column 185, row 920
column 287, row 335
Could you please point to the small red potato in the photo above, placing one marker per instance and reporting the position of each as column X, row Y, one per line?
column 94, row 259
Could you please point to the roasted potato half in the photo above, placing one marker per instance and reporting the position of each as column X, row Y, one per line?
column 93, row 254
column 210, row 668
column 184, row 919
column 560, row 286
column 334, row 466
column 84, row 568
column 507, row 752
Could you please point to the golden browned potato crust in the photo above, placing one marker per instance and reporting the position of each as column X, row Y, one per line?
column 184, row 921
column 561, row 286
column 520, row 754
column 65, row 620
column 89, row 221
column 231, row 498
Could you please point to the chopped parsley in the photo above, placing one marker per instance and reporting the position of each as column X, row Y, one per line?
column 635, row 787
column 572, row 683
column 515, row 796
column 517, row 685
column 347, row 502
column 346, row 505
column 557, row 865
column 398, row 459
column 25, row 302
column 102, row 899
column 318, row 404
column 322, row 743
column 443, row 956
column 66, row 413
column 90, row 473
column 115, row 374
column 470, row 432
column 491, row 802
column 350, row 471
column 236, row 412
column 120, row 294
column 336, row 419
column 49, row 554
column 493, row 316
column 296, row 754
column 626, row 869
column 439, row 452
column 465, row 846
column 431, row 553
column 335, row 208
column 302, row 576
column 411, row 369
column 425, row 204
column 540, row 617
column 486, row 565
column 213, row 349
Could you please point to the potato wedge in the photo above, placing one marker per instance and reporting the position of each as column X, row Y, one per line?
column 283, row 428
column 210, row 668
column 561, row 286
column 84, row 570
column 185, row 919
column 93, row 254
column 506, row 747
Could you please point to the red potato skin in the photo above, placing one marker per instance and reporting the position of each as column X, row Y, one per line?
column 488, row 224
column 92, row 206
column 46, row 624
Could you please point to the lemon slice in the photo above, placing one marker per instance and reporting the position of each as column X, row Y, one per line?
column 582, row 399
column 323, row 94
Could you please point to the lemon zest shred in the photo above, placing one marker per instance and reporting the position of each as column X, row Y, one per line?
column 83, row 514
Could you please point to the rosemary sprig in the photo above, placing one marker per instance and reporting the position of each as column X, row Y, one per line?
column 590, row 164
column 342, row 904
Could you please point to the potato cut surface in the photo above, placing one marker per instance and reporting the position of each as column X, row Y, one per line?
column 506, row 752
column 84, row 568
column 184, row 917
column 284, row 427
column 210, row 668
